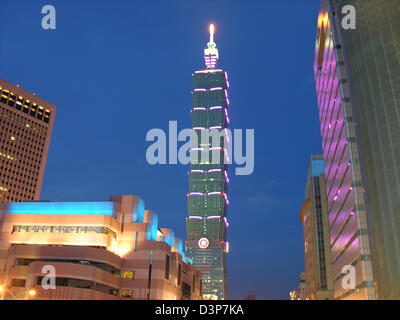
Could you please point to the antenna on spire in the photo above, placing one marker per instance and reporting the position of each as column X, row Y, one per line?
column 211, row 53
column 212, row 29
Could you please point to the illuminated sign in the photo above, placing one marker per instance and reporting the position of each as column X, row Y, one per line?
column 203, row 243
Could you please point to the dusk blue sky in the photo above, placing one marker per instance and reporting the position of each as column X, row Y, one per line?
column 116, row 69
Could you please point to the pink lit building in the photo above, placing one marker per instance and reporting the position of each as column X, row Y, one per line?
column 345, row 199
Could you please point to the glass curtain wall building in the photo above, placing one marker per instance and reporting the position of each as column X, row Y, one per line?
column 371, row 55
column 207, row 222
column 344, row 189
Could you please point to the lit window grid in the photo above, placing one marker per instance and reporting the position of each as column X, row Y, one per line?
column 23, row 139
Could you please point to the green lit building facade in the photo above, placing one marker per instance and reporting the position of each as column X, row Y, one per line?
column 207, row 222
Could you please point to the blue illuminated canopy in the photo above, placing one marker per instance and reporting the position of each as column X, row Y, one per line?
column 62, row 208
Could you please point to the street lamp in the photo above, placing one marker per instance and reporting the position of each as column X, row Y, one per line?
column 31, row 293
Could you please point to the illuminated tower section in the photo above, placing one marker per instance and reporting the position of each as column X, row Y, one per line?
column 208, row 180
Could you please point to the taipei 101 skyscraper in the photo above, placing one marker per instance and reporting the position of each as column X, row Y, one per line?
column 207, row 222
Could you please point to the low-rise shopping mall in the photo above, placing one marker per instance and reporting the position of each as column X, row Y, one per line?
column 98, row 250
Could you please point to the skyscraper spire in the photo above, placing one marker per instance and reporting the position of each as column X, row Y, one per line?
column 211, row 53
